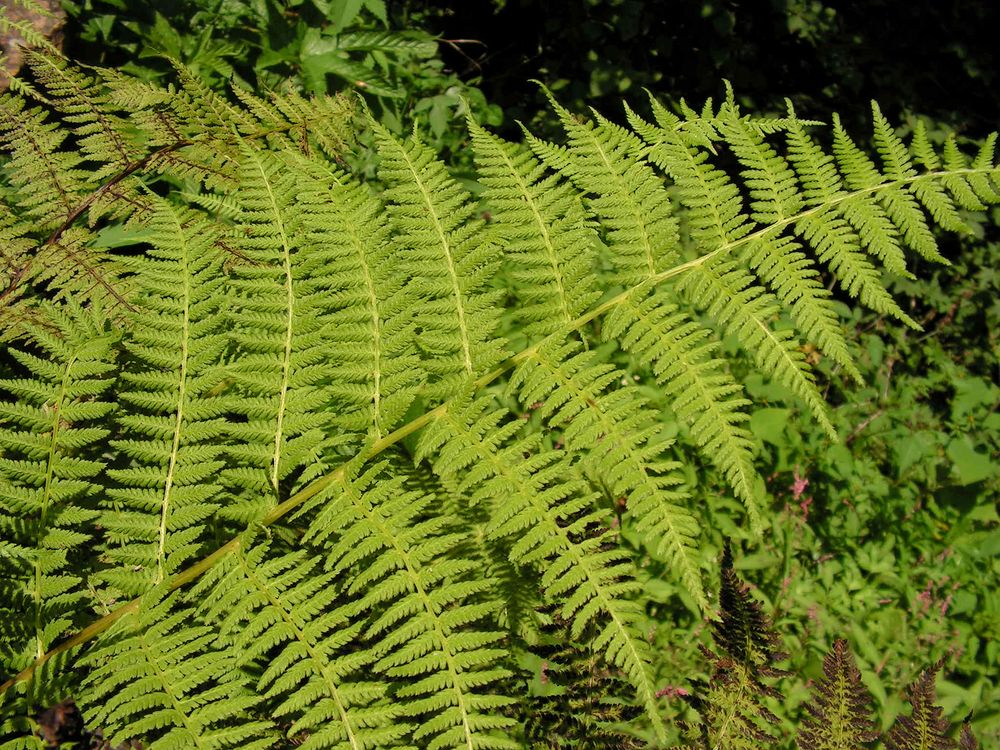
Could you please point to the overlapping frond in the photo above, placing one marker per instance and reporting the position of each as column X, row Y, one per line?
column 619, row 443
column 427, row 611
column 624, row 193
column 548, row 515
column 278, row 320
column 699, row 386
column 280, row 618
column 370, row 336
column 304, row 337
column 157, row 677
column 550, row 243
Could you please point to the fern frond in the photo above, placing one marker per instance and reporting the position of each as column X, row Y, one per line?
column 700, row 389
column 547, row 516
column 925, row 728
column 173, row 425
column 451, row 256
column 840, row 711
column 48, row 474
column 731, row 703
column 626, row 195
column 426, row 607
column 550, row 243
column 157, row 678
column 617, row 440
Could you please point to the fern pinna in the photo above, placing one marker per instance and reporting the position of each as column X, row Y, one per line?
column 288, row 458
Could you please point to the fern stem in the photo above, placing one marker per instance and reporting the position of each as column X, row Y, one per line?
column 161, row 554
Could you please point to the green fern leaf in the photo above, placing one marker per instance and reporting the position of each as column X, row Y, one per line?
column 626, row 195
column 49, row 471
column 617, row 440
column 551, row 525
column 155, row 677
column 426, row 607
column 280, row 611
column 173, row 425
column 551, row 244
column 450, row 256
column 701, row 391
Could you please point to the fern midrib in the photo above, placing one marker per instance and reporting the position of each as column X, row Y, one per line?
column 189, row 574
column 152, row 658
column 286, row 360
column 319, row 660
column 165, row 506
column 46, row 497
column 386, row 534
column 446, row 249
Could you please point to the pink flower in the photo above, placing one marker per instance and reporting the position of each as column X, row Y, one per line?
column 798, row 485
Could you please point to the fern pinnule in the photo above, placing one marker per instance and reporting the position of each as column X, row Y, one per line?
column 172, row 426
column 49, row 474
column 451, row 257
column 616, row 437
column 551, row 245
column 839, row 715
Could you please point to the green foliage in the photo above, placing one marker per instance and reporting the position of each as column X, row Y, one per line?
column 390, row 436
column 315, row 47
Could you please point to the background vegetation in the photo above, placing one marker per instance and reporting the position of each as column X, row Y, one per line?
column 889, row 539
